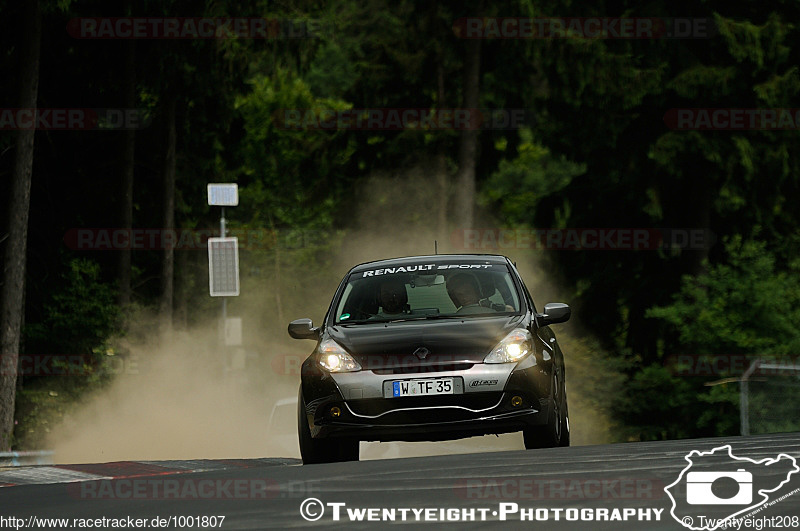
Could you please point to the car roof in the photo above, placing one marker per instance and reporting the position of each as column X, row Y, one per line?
column 435, row 258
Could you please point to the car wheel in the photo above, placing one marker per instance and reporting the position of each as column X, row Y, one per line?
column 556, row 431
column 315, row 451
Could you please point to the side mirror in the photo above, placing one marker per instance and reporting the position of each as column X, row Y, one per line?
column 303, row 329
column 554, row 312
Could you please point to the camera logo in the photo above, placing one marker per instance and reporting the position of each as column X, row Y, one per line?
column 716, row 487
column 700, row 487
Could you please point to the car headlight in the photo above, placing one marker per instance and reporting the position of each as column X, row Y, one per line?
column 333, row 358
column 515, row 346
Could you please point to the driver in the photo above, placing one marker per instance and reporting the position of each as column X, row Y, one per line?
column 464, row 292
column 393, row 298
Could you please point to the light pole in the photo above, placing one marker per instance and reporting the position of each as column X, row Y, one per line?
column 223, row 252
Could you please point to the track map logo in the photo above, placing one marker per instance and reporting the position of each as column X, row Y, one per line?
column 718, row 490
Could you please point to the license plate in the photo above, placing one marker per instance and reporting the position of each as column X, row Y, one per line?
column 424, row 387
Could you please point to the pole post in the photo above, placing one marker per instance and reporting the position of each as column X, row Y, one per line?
column 224, row 299
column 222, row 195
column 744, row 398
column 744, row 413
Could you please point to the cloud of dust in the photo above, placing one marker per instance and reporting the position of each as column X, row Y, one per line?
column 186, row 400
column 176, row 399
column 591, row 380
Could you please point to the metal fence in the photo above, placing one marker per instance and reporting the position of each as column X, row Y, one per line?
column 769, row 398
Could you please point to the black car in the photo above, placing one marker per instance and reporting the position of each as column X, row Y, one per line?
column 429, row 348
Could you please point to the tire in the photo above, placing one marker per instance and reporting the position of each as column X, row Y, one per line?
column 556, row 431
column 314, row 451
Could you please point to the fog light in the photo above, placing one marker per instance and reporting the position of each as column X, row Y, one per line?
column 516, row 401
column 336, row 412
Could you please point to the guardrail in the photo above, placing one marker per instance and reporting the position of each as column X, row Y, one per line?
column 33, row 457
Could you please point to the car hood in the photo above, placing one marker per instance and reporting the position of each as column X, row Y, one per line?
column 435, row 342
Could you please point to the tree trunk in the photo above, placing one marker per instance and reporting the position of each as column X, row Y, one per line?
column 181, row 315
column 13, row 289
column 468, row 150
column 441, row 165
column 168, row 260
column 126, row 184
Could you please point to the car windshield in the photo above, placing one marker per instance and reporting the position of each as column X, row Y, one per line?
column 427, row 291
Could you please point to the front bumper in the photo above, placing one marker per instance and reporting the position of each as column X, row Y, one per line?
column 480, row 410
column 429, row 423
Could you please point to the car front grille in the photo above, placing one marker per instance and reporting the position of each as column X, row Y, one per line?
column 437, row 367
column 424, row 409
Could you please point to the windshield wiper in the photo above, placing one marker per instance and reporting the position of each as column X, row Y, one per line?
column 427, row 317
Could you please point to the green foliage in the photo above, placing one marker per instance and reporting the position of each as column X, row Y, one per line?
column 759, row 45
column 292, row 176
column 658, row 404
column 519, row 184
column 78, row 322
column 654, row 405
column 718, row 409
column 331, row 73
column 741, row 306
column 81, row 315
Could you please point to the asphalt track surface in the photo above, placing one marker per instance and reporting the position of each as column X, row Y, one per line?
column 268, row 493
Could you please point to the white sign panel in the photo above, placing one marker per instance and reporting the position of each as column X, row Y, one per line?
column 223, row 194
column 223, row 267
column 233, row 331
